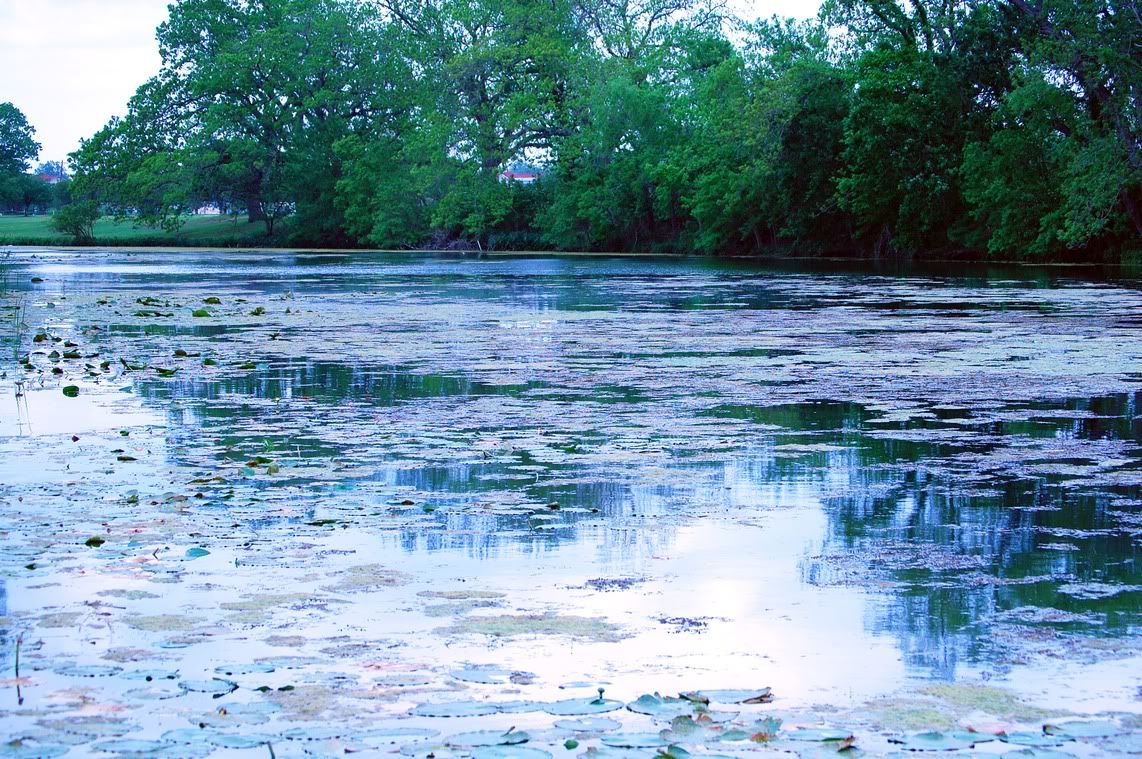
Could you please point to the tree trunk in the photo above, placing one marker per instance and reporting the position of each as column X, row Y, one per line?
column 254, row 210
column 1130, row 203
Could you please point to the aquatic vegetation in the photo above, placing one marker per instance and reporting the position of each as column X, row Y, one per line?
column 507, row 625
column 459, row 497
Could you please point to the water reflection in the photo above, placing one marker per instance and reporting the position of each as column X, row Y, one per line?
column 984, row 528
column 964, row 440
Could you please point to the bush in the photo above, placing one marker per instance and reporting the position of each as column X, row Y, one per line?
column 77, row 220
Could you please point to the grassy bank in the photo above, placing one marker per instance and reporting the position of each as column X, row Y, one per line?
column 221, row 231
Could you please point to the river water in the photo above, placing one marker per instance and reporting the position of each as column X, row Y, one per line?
column 350, row 485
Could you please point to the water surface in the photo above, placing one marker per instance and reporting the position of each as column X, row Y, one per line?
column 652, row 474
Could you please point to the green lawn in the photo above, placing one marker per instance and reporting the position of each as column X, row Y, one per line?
column 197, row 230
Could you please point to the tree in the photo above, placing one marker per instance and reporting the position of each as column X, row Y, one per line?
column 1090, row 52
column 251, row 98
column 25, row 193
column 769, row 137
column 77, row 220
column 18, row 147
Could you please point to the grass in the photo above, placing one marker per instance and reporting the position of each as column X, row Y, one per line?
column 196, row 230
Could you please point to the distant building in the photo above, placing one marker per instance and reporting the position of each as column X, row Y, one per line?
column 51, row 172
column 524, row 173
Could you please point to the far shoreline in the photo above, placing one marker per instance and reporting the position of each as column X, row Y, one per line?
column 905, row 260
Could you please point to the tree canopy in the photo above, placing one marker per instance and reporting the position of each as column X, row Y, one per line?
column 19, row 191
column 1005, row 127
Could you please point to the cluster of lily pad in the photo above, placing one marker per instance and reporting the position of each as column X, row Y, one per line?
column 696, row 723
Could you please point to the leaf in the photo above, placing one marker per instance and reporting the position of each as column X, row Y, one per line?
column 131, row 746
column 936, row 741
column 31, row 748
column 634, row 740
column 763, row 730
column 88, row 670
column 213, row 300
column 455, row 709
column 71, row 391
column 1099, row 729
column 150, row 674
column 230, row 740
column 1038, row 753
column 94, row 542
column 819, row 734
column 215, row 686
column 509, row 752
column 661, row 707
column 488, row 738
column 486, row 675
column 575, row 706
column 589, row 724
column 731, row 696
column 1029, row 738
column 200, row 313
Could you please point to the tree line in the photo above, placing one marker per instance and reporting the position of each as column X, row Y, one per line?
column 22, row 192
column 1001, row 127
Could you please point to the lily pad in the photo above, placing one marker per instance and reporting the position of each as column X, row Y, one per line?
column 936, row 741
column 215, row 686
column 455, row 709
column 661, row 707
column 88, row 670
column 589, row 724
column 485, row 675
column 487, row 738
column 509, row 752
column 1127, row 744
column 316, row 733
column 374, row 733
column 150, row 674
column 1098, row 729
column 731, row 696
column 159, row 690
column 1037, row 753
column 819, row 734
column 186, row 735
column 244, row 669
column 29, row 748
column 131, row 746
column 572, row 707
column 96, row 727
column 235, row 741
column 517, row 707
column 1029, row 738
column 634, row 740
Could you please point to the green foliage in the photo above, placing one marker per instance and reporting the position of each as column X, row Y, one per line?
column 18, row 147
column 77, row 220
column 885, row 126
column 24, row 194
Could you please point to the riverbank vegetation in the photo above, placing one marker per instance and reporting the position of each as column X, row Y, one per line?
column 1007, row 128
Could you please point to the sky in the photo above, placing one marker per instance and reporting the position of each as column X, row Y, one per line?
column 70, row 65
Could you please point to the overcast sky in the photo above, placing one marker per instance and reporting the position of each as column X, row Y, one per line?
column 70, row 65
